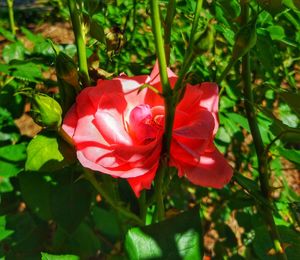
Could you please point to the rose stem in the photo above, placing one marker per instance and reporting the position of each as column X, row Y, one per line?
column 169, row 107
column 80, row 41
column 143, row 206
column 168, row 26
column 258, row 143
column 90, row 176
column 171, row 97
column 10, row 5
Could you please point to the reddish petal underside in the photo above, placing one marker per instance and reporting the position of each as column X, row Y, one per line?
column 142, row 182
column 212, row 170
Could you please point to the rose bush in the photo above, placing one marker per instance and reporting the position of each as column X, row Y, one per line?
column 117, row 128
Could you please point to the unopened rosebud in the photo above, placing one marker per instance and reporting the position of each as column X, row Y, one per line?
column 245, row 40
column 204, row 40
column 46, row 111
column 66, row 70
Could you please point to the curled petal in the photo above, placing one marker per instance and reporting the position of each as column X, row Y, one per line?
column 122, row 172
column 111, row 127
column 201, row 96
column 70, row 121
column 142, row 182
column 212, row 170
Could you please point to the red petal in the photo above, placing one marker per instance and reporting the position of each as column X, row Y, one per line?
column 212, row 170
column 142, row 182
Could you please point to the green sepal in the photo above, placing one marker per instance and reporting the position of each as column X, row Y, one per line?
column 46, row 111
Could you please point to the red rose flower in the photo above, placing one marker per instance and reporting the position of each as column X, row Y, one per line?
column 117, row 130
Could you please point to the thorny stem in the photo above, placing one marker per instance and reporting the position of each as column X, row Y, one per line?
column 258, row 143
column 80, row 41
column 169, row 106
column 171, row 97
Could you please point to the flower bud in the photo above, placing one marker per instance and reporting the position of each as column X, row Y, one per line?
column 245, row 40
column 46, row 111
column 204, row 40
column 66, row 70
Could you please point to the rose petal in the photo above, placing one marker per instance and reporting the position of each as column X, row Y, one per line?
column 191, row 139
column 86, row 133
column 141, row 124
column 154, row 78
column 70, row 121
column 201, row 96
column 125, row 173
column 212, row 171
column 198, row 125
column 111, row 127
column 142, row 182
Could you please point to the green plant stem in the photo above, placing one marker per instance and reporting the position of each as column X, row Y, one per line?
column 225, row 72
column 171, row 97
column 189, row 55
column 168, row 26
column 10, row 5
column 258, row 143
column 90, row 176
column 196, row 19
column 159, row 46
column 143, row 206
column 80, row 41
column 169, row 106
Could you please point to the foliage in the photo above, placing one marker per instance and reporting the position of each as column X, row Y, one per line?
column 50, row 209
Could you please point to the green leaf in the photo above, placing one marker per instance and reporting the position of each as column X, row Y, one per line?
column 290, row 154
column 14, row 51
column 46, row 256
column 4, row 233
column 28, row 237
column 293, row 4
column 7, row 34
column 175, row 238
column 252, row 188
column 28, row 71
column 239, row 120
column 5, row 185
column 84, row 242
column 263, row 245
column 12, row 159
column 292, row 99
column 231, row 8
column 265, row 50
column 70, row 203
column 41, row 150
column 276, row 32
column 106, row 221
column 38, row 202
column 46, row 153
column 97, row 31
